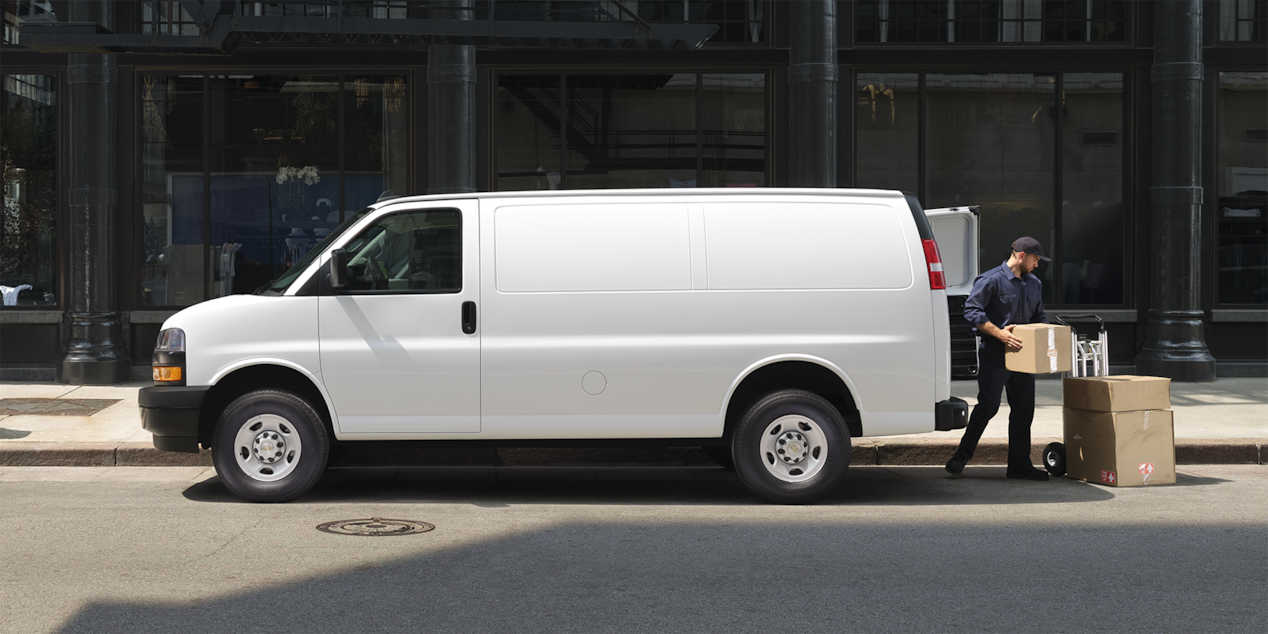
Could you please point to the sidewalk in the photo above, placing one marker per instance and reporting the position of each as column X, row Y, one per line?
column 1225, row 422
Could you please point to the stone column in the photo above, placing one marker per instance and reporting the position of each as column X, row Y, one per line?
column 451, row 112
column 812, row 79
column 1174, row 342
column 92, row 333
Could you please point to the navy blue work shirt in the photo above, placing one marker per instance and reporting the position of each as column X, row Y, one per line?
column 1003, row 298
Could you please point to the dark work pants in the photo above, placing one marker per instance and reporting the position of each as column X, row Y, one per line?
column 992, row 379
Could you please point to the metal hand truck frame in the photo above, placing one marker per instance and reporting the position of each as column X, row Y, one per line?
column 1084, row 352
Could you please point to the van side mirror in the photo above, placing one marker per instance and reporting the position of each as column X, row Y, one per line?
column 338, row 269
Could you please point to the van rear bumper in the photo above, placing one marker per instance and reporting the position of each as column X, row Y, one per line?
column 950, row 414
column 171, row 413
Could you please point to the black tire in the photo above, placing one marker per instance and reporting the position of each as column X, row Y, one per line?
column 270, row 446
column 720, row 454
column 779, row 423
column 1054, row 459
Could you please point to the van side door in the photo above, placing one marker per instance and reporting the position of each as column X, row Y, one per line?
column 400, row 357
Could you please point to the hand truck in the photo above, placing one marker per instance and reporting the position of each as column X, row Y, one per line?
column 1084, row 352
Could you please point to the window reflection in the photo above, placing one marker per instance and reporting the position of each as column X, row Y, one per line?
column 1092, row 229
column 631, row 131
column 28, row 153
column 989, row 140
column 627, row 131
column 1242, row 210
column 274, row 183
column 172, row 248
column 886, row 127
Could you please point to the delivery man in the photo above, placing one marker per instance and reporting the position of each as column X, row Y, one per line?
column 1003, row 297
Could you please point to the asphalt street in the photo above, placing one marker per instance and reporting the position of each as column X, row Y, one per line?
column 647, row 549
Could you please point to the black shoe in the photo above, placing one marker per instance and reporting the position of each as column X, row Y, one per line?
column 1031, row 474
column 955, row 466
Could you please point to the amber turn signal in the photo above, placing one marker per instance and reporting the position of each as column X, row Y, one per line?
column 167, row 373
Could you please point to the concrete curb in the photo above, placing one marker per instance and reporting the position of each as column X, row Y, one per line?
column 896, row 452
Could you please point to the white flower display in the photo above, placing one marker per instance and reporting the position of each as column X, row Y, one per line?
column 308, row 174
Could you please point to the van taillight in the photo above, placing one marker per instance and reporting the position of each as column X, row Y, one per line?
column 937, row 278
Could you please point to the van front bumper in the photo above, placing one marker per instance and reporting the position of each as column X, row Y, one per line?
column 950, row 414
column 171, row 413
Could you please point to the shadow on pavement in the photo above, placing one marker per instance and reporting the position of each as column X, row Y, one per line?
column 763, row 575
column 865, row 486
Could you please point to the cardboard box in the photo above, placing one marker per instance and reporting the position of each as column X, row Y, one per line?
column 1045, row 348
column 1117, row 393
column 1120, row 449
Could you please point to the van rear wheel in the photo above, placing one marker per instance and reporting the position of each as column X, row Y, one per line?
column 269, row 446
column 792, row 447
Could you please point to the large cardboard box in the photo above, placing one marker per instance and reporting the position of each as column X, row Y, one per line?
column 1117, row 393
column 1120, row 449
column 1045, row 348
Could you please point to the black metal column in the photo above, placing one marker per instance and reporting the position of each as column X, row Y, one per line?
column 451, row 110
column 1174, row 343
column 92, row 350
column 812, row 83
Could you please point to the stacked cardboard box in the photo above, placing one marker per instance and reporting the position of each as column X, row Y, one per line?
column 1045, row 348
column 1119, row 430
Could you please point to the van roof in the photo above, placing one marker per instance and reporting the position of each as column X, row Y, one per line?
column 662, row 191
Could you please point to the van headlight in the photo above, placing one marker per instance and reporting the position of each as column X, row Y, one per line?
column 169, row 357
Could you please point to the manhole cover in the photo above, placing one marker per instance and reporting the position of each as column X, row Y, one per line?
column 375, row 527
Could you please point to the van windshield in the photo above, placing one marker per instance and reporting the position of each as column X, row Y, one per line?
column 280, row 285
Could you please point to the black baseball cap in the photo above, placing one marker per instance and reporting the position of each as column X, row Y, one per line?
column 1029, row 246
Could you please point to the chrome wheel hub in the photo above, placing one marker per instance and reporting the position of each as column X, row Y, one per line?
column 267, row 447
column 794, row 448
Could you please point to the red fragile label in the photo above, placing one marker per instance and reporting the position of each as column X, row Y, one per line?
column 1146, row 468
column 1108, row 477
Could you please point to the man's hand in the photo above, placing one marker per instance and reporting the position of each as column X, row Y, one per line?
column 1006, row 335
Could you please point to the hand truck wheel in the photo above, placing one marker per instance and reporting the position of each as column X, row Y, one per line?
column 1054, row 458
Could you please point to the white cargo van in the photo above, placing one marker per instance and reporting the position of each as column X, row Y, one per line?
column 769, row 326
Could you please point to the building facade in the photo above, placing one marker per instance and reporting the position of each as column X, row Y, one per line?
column 161, row 153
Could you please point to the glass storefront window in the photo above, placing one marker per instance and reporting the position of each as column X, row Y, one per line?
column 19, row 12
column 1092, row 218
column 733, row 126
column 528, row 124
column 989, row 140
column 28, row 153
column 1242, row 209
column 1243, row 20
column 975, row 21
column 629, row 131
column 886, row 127
column 291, row 156
column 172, row 201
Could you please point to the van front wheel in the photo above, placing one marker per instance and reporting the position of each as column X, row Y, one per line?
column 269, row 446
column 792, row 447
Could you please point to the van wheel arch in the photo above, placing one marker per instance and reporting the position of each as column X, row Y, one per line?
column 792, row 375
column 259, row 377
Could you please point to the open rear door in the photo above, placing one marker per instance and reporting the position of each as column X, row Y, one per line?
column 956, row 230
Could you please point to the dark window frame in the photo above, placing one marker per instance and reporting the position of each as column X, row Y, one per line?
column 1131, row 20
column 61, row 232
column 1127, row 141
column 1211, row 263
column 134, row 259
column 699, row 71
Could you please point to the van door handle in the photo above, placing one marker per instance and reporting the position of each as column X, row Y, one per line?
column 468, row 318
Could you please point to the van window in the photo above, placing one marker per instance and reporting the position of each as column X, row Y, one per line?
column 805, row 246
column 415, row 251
column 608, row 247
